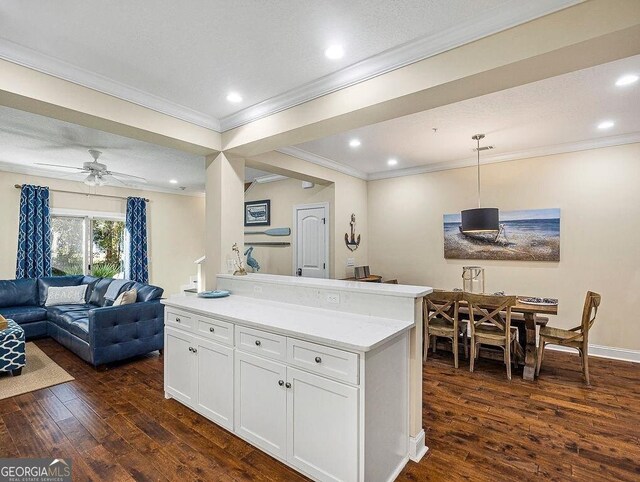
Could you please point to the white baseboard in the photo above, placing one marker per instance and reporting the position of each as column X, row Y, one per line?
column 417, row 447
column 604, row 352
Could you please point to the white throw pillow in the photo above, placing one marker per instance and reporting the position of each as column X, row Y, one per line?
column 66, row 295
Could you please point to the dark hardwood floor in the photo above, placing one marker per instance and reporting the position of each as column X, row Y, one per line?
column 116, row 425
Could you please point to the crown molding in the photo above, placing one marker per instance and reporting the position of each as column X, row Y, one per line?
column 323, row 161
column 508, row 15
column 46, row 64
column 611, row 141
column 492, row 21
column 33, row 171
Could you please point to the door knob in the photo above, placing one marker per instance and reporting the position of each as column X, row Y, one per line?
column 258, row 343
column 318, row 359
column 288, row 385
column 212, row 329
column 280, row 382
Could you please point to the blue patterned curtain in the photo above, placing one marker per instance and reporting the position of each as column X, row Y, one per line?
column 34, row 233
column 136, row 226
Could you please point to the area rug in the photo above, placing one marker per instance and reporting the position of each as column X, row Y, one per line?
column 39, row 372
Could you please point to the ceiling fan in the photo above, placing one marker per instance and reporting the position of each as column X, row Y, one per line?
column 98, row 174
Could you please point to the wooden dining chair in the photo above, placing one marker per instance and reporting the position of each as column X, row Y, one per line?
column 577, row 337
column 490, row 324
column 441, row 320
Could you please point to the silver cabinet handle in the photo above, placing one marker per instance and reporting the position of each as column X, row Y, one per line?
column 177, row 320
column 318, row 359
column 212, row 329
column 280, row 382
column 195, row 350
column 288, row 385
column 190, row 348
column 258, row 343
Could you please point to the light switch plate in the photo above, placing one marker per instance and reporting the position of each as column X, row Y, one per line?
column 257, row 289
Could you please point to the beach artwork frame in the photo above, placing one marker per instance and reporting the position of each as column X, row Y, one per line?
column 525, row 235
column 257, row 213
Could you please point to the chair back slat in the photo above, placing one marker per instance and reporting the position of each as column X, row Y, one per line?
column 442, row 304
column 489, row 308
column 590, row 311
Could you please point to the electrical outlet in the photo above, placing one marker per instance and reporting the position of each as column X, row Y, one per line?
column 230, row 266
column 257, row 289
column 351, row 262
column 333, row 298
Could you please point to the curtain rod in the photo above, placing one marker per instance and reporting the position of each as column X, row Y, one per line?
column 19, row 186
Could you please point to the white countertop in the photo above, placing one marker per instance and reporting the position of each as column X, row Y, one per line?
column 404, row 291
column 334, row 328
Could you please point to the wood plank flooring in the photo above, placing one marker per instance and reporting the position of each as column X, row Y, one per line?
column 117, row 426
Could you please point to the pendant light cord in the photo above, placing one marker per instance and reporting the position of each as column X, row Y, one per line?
column 478, row 151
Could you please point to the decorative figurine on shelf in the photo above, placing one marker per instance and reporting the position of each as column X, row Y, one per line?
column 251, row 261
column 240, row 271
column 353, row 242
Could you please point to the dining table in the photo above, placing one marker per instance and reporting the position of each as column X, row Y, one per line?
column 533, row 315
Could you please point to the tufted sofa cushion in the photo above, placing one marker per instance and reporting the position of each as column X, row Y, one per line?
column 18, row 292
column 147, row 292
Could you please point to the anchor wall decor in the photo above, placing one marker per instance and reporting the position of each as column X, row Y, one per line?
column 353, row 242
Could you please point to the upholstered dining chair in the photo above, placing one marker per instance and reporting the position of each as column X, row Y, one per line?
column 490, row 324
column 577, row 337
column 441, row 320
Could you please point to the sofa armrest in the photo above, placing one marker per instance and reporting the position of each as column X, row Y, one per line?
column 120, row 324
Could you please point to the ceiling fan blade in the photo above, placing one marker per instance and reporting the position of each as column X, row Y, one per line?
column 121, row 174
column 59, row 166
column 109, row 177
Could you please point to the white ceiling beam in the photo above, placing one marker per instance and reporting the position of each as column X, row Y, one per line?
column 587, row 34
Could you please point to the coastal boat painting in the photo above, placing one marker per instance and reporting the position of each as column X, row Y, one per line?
column 526, row 235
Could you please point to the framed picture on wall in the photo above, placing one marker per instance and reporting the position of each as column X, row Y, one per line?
column 257, row 213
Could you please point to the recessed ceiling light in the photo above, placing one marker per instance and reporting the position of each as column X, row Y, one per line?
column 355, row 143
column 608, row 124
column 234, row 97
column 392, row 162
column 626, row 80
column 173, row 181
column 334, row 52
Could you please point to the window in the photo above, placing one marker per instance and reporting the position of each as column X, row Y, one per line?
column 87, row 243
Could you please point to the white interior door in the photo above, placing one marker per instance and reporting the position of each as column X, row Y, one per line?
column 312, row 249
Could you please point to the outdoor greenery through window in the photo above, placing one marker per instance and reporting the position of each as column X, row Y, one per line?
column 87, row 245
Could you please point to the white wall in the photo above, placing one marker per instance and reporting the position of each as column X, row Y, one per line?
column 175, row 223
column 599, row 197
column 283, row 195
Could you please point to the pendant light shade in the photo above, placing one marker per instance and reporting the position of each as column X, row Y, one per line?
column 480, row 220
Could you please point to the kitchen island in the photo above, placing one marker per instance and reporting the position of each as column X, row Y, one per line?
column 317, row 373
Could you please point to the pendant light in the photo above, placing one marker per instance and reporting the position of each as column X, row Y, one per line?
column 480, row 220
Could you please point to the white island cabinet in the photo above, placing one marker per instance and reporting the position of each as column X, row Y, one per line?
column 326, row 390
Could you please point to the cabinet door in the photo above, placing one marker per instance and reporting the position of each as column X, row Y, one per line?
column 322, row 427
column 215, row 382
column 180, row 365
column 261, row 403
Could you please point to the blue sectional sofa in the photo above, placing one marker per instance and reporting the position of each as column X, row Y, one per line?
column 96, row 332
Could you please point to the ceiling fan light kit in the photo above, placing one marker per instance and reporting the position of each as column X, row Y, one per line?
column 98, row 173
column 480, row 220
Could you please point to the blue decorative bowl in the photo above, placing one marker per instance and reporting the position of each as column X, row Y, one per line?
column 213, row 294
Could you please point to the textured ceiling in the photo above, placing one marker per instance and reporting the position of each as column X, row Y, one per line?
column 561, row 110
column 190, row 54
column 26, row 139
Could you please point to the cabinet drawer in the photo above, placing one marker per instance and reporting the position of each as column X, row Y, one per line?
column 177, row 318
column 217, row 330
column 330, row 362
column 261, row 343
